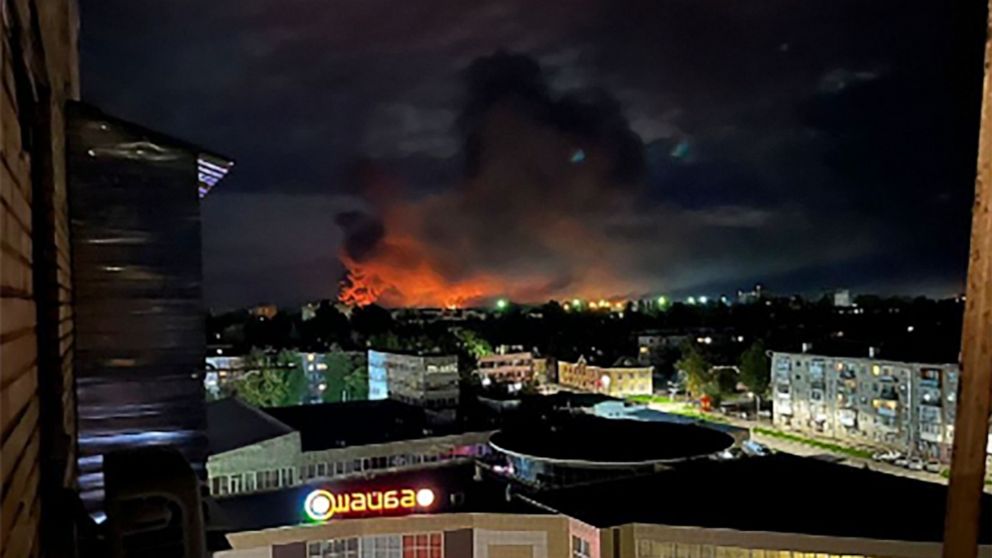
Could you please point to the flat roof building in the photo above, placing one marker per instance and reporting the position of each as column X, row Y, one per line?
column 255, row 450
column 904, row 406
column 669, row 514
column 565, row 449
column 507, row 368
column 620, row 380
column 427, row 381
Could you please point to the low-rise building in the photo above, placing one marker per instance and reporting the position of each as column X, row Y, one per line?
column 427, row 381
column 618, row 380
column 254, row 450
column 905, row 406
column 507, row 368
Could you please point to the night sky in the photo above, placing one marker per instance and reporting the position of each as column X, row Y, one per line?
column 450, row 152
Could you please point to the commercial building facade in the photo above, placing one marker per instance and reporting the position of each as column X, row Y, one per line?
column 905, row 406
column 488, row 535
column 460, row 535
column 617, row 381
column 427, row 381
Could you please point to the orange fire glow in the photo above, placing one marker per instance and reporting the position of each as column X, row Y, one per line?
column 402, row 274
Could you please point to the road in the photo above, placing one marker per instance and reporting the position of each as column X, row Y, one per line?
column 798, row 448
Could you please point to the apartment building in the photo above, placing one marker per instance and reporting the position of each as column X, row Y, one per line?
column 507, row 368
column 619, row 380
column 905, row 406
column 428, row 381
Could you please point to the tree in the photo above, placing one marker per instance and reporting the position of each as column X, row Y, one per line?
column 346, row 378
column 471, row 343
column 271, row 381
column 755, row 369
column 698, row 372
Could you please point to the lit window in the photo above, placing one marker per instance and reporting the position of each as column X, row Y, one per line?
column 426, row 545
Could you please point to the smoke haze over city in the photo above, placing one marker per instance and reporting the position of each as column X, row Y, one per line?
column 458, row 153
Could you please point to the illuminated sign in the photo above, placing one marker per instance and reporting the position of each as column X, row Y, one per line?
column 322, row 505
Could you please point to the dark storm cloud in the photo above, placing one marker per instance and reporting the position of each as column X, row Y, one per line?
column 781, row 137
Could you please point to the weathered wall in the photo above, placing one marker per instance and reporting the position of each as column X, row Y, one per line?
column 38, row 48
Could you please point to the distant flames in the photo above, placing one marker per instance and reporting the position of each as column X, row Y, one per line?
column 401, row 275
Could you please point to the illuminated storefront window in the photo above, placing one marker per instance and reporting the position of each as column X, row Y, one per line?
column 426, row 545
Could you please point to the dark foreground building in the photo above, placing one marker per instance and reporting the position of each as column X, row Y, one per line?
column 139, row 307
column 727, row 509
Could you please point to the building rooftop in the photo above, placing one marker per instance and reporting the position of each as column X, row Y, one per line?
column 777, row 493
column 568, row 438
column 357, row 423
column 232, row 424
column 893, row 350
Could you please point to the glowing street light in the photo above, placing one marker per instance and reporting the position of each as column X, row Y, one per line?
column 662, row 301
column 501, row 304
column 703, row 300
column 576, row 303
column 690, row 300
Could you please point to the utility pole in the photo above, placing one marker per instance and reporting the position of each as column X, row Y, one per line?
column 971, row 425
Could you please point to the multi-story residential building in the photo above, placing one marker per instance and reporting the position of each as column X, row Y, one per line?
column 906, row 406
column 619, row 380
column 254, row 450
column 507, row 368
column 427, row 381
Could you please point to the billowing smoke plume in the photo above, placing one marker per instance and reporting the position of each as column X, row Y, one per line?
column 533, row 216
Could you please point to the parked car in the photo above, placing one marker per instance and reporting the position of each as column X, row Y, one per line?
column 933, row 466
column 751, row 447
column 901, row 462
column 730, row 453
column 915, row 464
column 887, row 456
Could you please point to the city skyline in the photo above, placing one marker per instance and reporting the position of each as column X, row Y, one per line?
column 615, row 152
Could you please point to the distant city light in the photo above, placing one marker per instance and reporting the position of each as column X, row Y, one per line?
column 703, row 300
column 502, row 304
column 691, row 300
column 576, row 303
column 662, row 301
column 910, row 329
column 567, row 307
